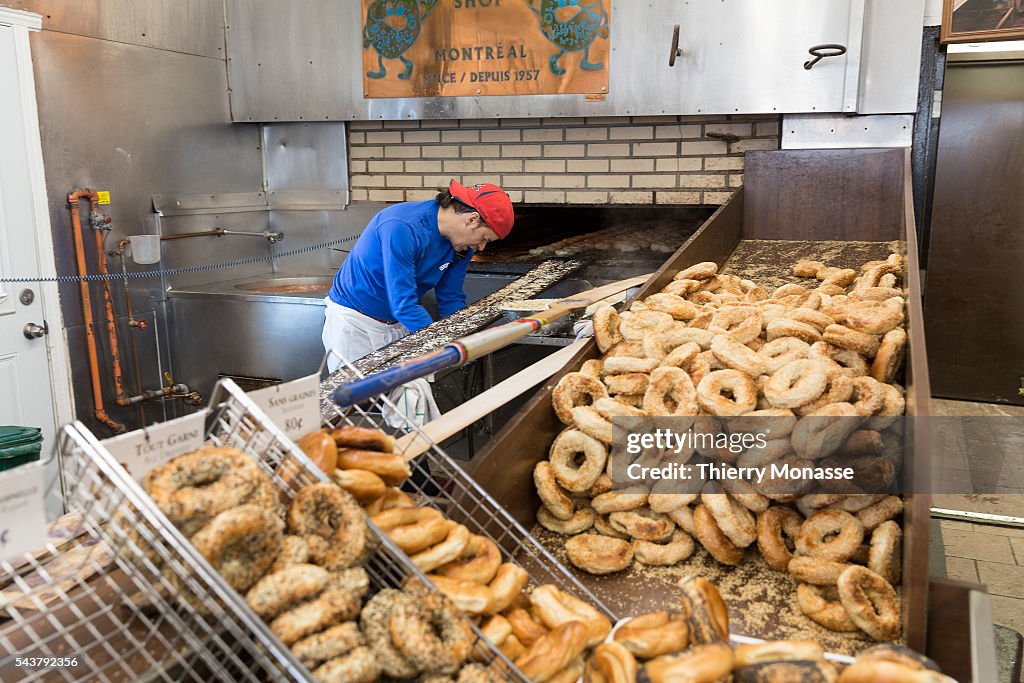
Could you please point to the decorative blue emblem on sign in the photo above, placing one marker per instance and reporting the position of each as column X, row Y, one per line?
column 572, row 25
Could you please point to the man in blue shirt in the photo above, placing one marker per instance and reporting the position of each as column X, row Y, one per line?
column 406, row 250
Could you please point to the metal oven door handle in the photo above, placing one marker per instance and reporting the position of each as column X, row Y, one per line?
column 676, row 52
column 821, row 51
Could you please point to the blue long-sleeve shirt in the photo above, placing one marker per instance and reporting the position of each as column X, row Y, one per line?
column 398, row 258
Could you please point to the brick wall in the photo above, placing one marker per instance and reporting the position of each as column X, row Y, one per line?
column 592, row 160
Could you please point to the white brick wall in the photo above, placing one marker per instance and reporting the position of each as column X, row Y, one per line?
column 592, row 160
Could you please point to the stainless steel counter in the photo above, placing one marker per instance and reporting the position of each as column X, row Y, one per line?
column 232, row 327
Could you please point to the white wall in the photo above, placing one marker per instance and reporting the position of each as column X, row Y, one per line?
column 932, row 12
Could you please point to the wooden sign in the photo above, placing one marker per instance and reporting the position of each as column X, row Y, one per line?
column 471, row 48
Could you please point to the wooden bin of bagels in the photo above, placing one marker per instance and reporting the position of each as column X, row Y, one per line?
column 840, row 206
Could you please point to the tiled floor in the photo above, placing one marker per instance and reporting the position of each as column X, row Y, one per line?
column 978, row 450
column 991, row 555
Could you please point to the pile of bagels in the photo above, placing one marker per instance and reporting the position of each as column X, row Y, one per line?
column 815, row 364
column 690, row 642
column 297, row 565
column 410, row 633
column 532, row 629
column 466, row 567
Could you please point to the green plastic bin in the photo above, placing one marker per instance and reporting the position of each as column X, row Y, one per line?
column 19, row 445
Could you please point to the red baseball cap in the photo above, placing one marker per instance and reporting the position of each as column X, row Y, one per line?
column 490, row 201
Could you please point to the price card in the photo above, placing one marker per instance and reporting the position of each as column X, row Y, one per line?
column 142, row 450
column 293, row 406
column 22, row 510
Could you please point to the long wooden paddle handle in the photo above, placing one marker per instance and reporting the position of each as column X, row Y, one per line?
column 485, row 403
column 472, row 346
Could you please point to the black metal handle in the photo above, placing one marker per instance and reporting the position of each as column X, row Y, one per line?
column 676, row 52
column 821, row 51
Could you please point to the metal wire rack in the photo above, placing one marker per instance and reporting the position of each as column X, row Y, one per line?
column 154, row 608
column 235, row 425
column 98, row 604
column 438, row 481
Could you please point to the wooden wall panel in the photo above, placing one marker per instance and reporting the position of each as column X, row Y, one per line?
column 974, row 303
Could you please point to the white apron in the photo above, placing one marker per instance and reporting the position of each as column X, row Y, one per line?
column 350, row 335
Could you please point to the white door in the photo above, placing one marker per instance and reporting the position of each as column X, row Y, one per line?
column 26, row 381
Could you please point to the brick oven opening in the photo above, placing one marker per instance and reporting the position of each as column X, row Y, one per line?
column 626, row 239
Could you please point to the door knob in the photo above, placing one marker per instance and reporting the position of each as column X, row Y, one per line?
column 33, row 331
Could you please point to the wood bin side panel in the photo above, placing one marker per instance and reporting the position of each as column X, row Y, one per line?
column 955, row 644
column 861, row 195
column 504, row 466
column 714, row 241
column 917, row 456
column 850, row 195
column 824, row 194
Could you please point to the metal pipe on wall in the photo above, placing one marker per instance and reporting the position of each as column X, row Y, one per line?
column 100, row 225
column 99, row 412
column 132, row 325
column 270, row 236
column 172, row 389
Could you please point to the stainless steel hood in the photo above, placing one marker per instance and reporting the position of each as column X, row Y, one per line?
column 302, row 60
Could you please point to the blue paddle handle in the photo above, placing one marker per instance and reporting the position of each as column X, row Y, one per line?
column 386, row 380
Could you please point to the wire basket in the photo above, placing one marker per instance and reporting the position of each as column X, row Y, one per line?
column 438, row 481
column 91, row 613
column 157, row 610
column 235, row 424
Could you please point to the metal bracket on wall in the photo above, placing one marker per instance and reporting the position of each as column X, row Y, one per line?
column 298, row 200
column 854, row 56
column 819, row 131
column 241, row 202
column 983, row 518
column 198, row 204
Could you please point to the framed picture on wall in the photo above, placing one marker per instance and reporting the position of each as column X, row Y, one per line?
column 972, row 21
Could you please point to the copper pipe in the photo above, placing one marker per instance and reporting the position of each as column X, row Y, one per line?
column 121, row 396
column 76, row 227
